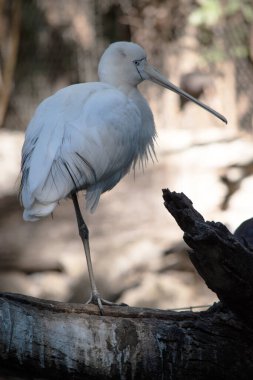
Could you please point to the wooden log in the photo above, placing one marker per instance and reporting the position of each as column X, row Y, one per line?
column 54, row 340
column 51, row 340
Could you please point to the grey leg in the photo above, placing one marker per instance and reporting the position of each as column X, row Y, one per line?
column 84, row 234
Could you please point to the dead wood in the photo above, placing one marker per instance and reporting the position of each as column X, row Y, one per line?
column 221, row 259
column 50, row 340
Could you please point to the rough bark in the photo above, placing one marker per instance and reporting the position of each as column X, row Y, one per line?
column 221, row 259
column 51, row 340
column 48, row 339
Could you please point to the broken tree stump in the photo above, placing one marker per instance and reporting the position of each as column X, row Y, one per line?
column 220, row 258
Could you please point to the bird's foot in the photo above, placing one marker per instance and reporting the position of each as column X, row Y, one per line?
column 95, row 299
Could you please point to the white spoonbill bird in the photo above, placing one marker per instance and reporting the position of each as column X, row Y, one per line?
column 88, row 136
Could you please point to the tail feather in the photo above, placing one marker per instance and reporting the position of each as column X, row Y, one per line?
column 38, row 211
column 92, row 199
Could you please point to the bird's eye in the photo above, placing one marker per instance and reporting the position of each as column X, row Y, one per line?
column 136, row 63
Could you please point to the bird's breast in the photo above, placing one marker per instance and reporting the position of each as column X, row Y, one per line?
column 147, row 131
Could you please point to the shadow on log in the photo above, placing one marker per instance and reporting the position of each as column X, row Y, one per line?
column 51, row 340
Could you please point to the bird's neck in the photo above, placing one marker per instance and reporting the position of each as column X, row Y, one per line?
column 127, row 89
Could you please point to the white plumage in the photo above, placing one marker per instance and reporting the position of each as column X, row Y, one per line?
column 88, row 136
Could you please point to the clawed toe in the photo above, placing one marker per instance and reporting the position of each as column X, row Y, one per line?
column 95, row 299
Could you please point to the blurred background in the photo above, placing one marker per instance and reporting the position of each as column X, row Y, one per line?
column 206, row 47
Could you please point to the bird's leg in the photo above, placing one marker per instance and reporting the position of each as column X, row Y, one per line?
column 84, row 234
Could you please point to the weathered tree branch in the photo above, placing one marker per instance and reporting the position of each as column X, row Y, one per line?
column 222, row 261
column 51, row 339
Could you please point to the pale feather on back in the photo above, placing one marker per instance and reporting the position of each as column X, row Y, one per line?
column 74, row 143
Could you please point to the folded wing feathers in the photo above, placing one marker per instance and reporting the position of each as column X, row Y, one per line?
column 52, row 173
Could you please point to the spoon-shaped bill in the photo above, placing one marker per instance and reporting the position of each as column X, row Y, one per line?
column 158, row 78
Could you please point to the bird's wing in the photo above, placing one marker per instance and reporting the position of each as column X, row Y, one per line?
column 106, row 133
column 44, row 136
column 83, row 133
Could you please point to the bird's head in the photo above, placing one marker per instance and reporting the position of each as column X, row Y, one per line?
column 124, row 64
